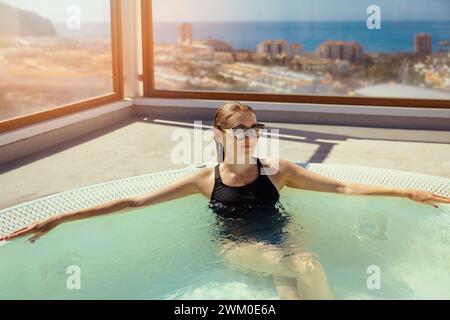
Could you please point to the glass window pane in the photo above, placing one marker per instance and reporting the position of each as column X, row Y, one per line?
column 398, row 48
column 53, row 53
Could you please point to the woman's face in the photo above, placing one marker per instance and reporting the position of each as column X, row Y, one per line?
column 243, row 149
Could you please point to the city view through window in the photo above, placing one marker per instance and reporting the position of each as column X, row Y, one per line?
column 400, row 49
column 53, row 53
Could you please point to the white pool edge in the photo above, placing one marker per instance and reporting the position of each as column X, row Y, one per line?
column 23, row 214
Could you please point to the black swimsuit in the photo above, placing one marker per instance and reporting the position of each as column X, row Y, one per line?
column 250, row 212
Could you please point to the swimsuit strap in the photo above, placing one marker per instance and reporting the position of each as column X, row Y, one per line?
column 217, row 173
column 259, row 163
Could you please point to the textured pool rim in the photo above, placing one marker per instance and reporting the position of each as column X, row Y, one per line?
column 21, row 215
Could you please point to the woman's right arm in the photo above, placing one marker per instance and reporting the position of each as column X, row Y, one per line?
column 181, row 188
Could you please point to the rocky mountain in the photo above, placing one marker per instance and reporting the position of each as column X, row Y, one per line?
column 16, row 22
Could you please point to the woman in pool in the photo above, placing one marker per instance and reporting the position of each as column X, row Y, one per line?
column 244, row 193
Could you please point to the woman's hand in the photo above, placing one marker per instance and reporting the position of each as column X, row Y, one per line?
column 427, row 197
column 39, row 229
column 42, row 227
column 181, row 188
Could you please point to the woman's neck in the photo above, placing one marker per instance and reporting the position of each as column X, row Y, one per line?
column 239, row 168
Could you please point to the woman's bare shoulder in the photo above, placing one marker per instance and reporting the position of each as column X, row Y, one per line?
column 202, row 175
column 204, row 180
column 277, row 165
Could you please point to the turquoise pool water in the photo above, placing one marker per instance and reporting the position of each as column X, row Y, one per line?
column 169, row 251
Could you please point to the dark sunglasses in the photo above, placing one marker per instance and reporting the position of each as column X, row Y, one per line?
column 240, row 132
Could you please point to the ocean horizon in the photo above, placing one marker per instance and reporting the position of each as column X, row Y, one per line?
column 392, row 37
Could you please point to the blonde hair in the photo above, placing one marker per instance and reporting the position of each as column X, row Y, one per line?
column 221, row 121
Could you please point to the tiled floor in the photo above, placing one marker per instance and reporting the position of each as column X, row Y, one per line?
column 137, row 147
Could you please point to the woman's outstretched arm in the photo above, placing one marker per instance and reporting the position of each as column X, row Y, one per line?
column 300, row 178
column 178, row 189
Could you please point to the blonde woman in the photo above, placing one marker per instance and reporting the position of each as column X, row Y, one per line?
column 256, row 236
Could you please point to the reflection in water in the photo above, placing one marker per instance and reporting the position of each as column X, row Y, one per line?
column 372, row 227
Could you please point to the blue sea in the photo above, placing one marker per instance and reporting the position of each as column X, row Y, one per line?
column 392, row 37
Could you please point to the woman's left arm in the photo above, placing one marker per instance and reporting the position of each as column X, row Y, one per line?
column 300, row 178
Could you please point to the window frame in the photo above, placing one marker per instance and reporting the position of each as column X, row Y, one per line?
column 63, row 110
column 150, row 91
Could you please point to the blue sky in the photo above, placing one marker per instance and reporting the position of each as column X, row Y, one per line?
column 297, row 10
column 56, row 10
column 250, row 10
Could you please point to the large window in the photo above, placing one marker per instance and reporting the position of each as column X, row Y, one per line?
column 394, row 52
column 56, row 53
